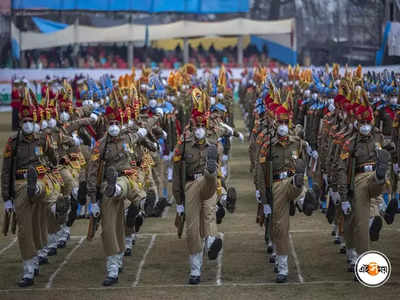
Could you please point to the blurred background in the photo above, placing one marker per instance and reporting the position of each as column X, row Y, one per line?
column 342, row 31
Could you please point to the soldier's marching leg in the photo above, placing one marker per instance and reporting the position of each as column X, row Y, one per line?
column 27, row 194
column 43, row 252
column 367, row 186
column 112, row 223
column 283, row 191
column 200, row 216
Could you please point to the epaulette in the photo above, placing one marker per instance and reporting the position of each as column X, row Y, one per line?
column 8, row 148
column 347, row 144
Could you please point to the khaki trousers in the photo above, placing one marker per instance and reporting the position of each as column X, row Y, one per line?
column 200, row 208
column 113, row 215
column 357, row 224
column 283, row 192
column 31, row 215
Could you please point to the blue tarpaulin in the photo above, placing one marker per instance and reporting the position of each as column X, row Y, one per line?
column 381, row 52
column 276, row 51
column 150, row 6
column 47, row 26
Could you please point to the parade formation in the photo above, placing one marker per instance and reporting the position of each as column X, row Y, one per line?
column 121, row 150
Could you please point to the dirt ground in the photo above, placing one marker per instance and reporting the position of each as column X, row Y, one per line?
column 159, row 265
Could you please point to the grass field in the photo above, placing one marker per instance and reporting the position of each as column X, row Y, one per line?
column 159, row 265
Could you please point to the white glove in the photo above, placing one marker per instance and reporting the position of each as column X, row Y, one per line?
column 142, row 132
column 241, row 137
column 325, row 179
column 346, row 207
column 258, row 196
column 308, row 149
column 223, row 199
column 314, row 154
column 335, row 196
column 165, row 135
column 53, row 209
column 95, row 210
column 94, row 117
column 8, row 206
column 180, row 209
column 77, row 141
column 267, row 209
column 396, row 168
column 170, row 173
column 159, row 111
column 228, row 128
column 225, row 157
column 224, row 171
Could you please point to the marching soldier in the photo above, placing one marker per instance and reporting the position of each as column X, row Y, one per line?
column 113, row 153
column 287, row 153
column 194, row 189
column 361, row 176
column 27, row 187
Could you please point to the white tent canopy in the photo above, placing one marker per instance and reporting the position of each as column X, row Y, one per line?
column 77, row 34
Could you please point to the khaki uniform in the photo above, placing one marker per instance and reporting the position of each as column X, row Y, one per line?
column 366, row 187
column 285, row 153
column 200, row 192
column 31, row 212
column 118, row 154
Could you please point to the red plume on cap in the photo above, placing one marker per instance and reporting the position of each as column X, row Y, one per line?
column 198, row 118
column 113, row 112
column 364, row 112
column 282, row 113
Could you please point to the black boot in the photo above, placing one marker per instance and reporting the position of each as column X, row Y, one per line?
column 25, row 282
column 220, row 213
column 281, row 278
column 391, row 210
column 150, row 203
column 43, row 260
column 52, row 252
column 110, row 281
column 128, row 252
column 212, row 156
column 216, row 246
column 375, row 229
column 82, row 192
column 61, row 244
column 194, row 279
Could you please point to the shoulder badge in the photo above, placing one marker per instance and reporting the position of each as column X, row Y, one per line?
column 344, row 155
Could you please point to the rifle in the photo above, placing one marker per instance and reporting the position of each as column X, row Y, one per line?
column 352, row 171
column 180, row 219
column 94, row 221
column 10, row 217
column 268, row 192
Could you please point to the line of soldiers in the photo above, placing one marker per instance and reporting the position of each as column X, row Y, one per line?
column 319, row 139
column 112, row 147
